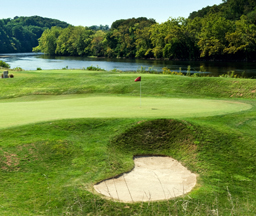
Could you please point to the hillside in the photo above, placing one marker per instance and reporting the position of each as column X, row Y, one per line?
column 229, row 9
column 20, row 34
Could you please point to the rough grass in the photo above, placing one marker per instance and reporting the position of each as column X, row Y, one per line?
column 57, row 82
column 50, row 168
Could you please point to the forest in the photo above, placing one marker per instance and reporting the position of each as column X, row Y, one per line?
column 220, row 32
column 21, row 34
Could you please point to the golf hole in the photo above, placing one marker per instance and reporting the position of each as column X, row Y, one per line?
column 153, row 178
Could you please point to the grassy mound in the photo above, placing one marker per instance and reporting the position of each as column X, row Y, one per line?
column 218, row 157
column 50, row 168
column 155, row 136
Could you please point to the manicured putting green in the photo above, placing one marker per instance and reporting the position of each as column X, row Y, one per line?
column 33, row 109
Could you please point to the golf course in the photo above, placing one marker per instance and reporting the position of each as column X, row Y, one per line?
column 65, row 135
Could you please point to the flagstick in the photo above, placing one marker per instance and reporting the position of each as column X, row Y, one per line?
column 140, row 94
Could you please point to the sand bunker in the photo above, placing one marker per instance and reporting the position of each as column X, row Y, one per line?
column 153, row 178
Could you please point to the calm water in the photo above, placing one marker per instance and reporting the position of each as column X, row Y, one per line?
column 31, row 61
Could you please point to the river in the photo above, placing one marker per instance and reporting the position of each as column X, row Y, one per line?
column 32, row 61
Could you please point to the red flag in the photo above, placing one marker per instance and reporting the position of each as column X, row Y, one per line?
column 138, row 79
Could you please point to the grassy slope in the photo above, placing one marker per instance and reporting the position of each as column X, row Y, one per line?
column 46, row 168
column 85, row 82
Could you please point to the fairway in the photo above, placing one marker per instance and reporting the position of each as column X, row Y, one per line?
column 31, row 109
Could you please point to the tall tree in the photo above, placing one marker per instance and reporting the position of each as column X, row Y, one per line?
column 212, row 39
column 98, row 44
column 143, row 42
column 48, row 41
column 243, row 40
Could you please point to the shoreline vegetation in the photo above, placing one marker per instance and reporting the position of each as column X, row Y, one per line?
column 3, row 55
column 211, row 38
column 147, row 70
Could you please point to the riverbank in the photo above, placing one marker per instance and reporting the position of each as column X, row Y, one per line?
column 32, row 61
column 6, row 55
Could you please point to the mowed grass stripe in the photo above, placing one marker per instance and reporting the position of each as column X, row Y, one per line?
column 45, row 108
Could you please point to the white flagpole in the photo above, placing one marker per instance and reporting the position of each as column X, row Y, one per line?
column 140, row 93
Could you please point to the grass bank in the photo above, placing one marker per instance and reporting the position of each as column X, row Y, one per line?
column 50, row 168
column 57, row 82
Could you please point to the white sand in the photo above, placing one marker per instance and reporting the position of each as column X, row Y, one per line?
column 153, row 178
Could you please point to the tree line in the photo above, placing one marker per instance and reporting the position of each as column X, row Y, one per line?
column 226, row 31
column 209, row 37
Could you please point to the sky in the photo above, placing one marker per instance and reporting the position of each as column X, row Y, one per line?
column 102, row 12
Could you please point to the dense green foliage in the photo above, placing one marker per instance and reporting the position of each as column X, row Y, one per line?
column 230, row 9
column 4, row 64
column 221, row 32
column 50, row 168
column 100, row 27
column 122, row 41
column 226, row 31
column 21, row 34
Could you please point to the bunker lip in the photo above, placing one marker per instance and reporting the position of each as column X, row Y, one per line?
column 153, row 178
